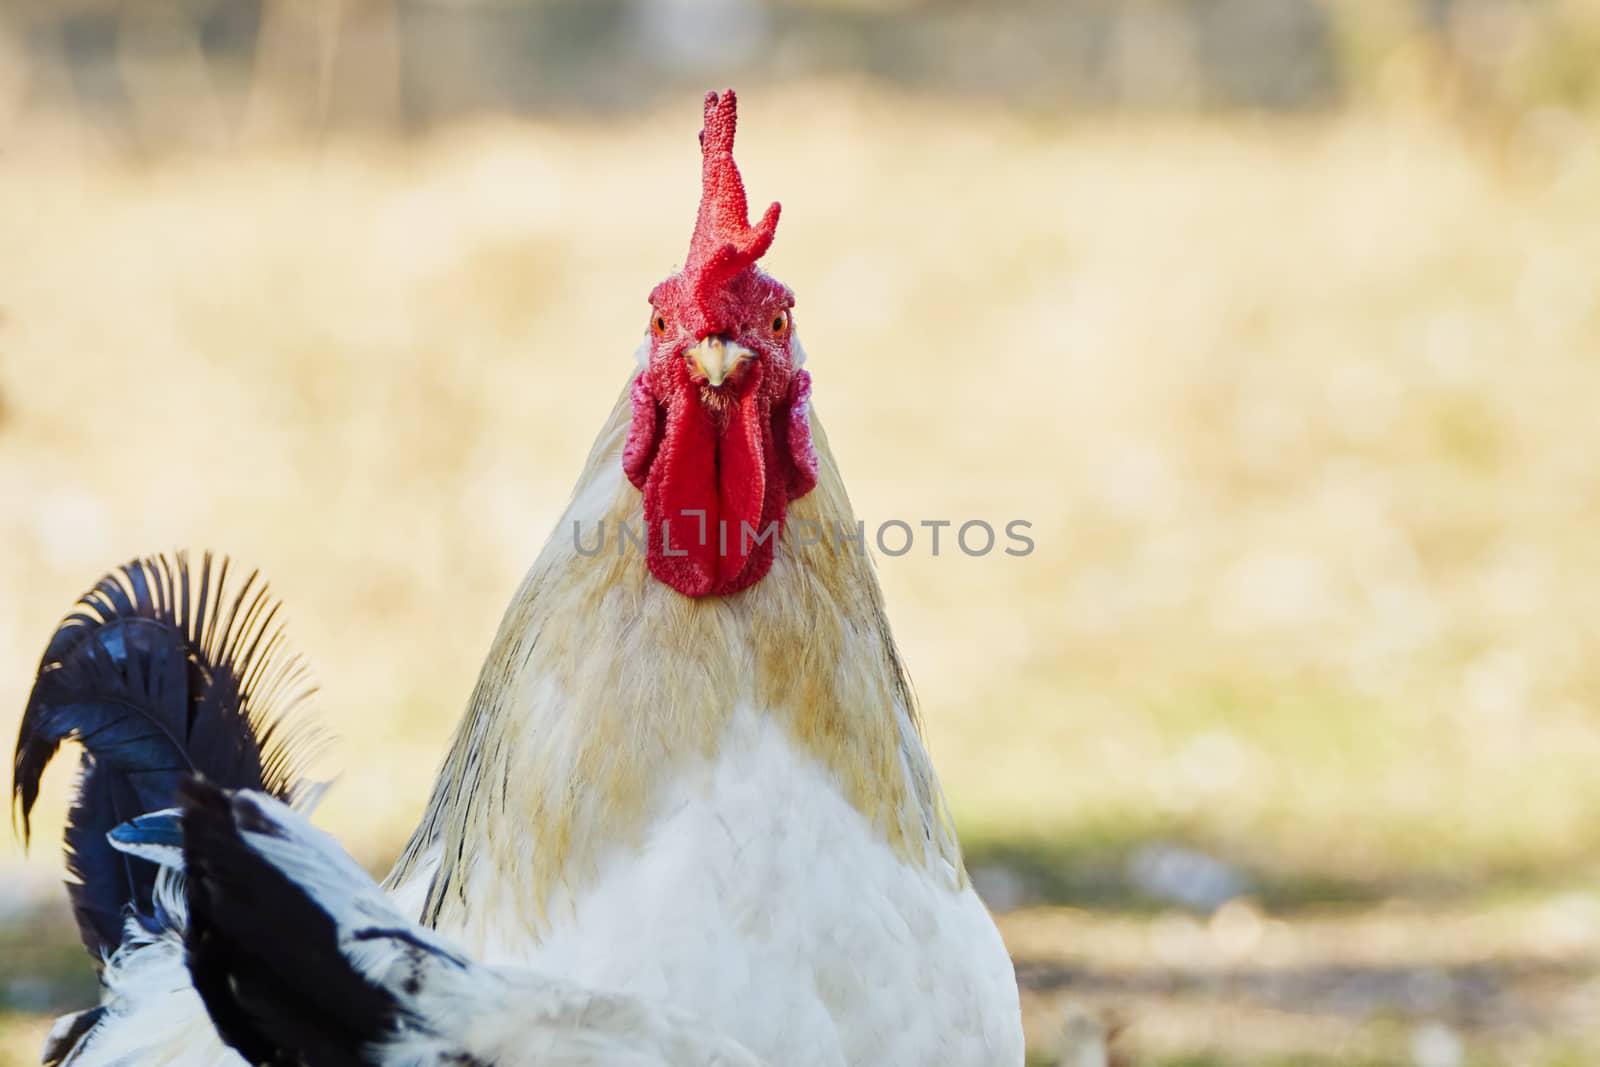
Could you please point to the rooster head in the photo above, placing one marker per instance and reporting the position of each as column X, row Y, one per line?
column 721, row 439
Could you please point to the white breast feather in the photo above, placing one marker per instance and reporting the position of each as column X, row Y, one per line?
column 766, row 904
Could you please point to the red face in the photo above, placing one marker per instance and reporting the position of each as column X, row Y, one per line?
column 742, row 342
column 720, row 440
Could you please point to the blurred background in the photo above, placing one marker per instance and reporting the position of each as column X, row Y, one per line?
column 1278, row 319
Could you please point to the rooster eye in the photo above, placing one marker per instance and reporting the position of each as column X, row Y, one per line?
column 659, row 325
column 780, row 322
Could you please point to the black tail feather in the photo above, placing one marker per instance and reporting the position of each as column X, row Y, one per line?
column 63, row 1038
column 264, row 955
column 160, row 672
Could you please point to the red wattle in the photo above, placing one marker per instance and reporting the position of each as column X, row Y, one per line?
column 715, row 496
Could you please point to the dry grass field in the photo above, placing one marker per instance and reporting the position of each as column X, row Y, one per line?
column 1303, row 415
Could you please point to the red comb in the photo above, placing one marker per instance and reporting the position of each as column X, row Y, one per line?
column 724, row 242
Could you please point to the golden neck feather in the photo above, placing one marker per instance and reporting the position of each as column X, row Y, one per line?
column 604, row 678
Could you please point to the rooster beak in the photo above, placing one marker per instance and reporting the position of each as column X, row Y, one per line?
column 716, row 358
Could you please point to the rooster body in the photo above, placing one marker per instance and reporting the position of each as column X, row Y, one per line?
column 779, row 916
column 761, row 839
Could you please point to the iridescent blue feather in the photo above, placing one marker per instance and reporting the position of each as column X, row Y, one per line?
column 162, row 671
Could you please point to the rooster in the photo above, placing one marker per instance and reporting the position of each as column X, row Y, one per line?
column 691, row 771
